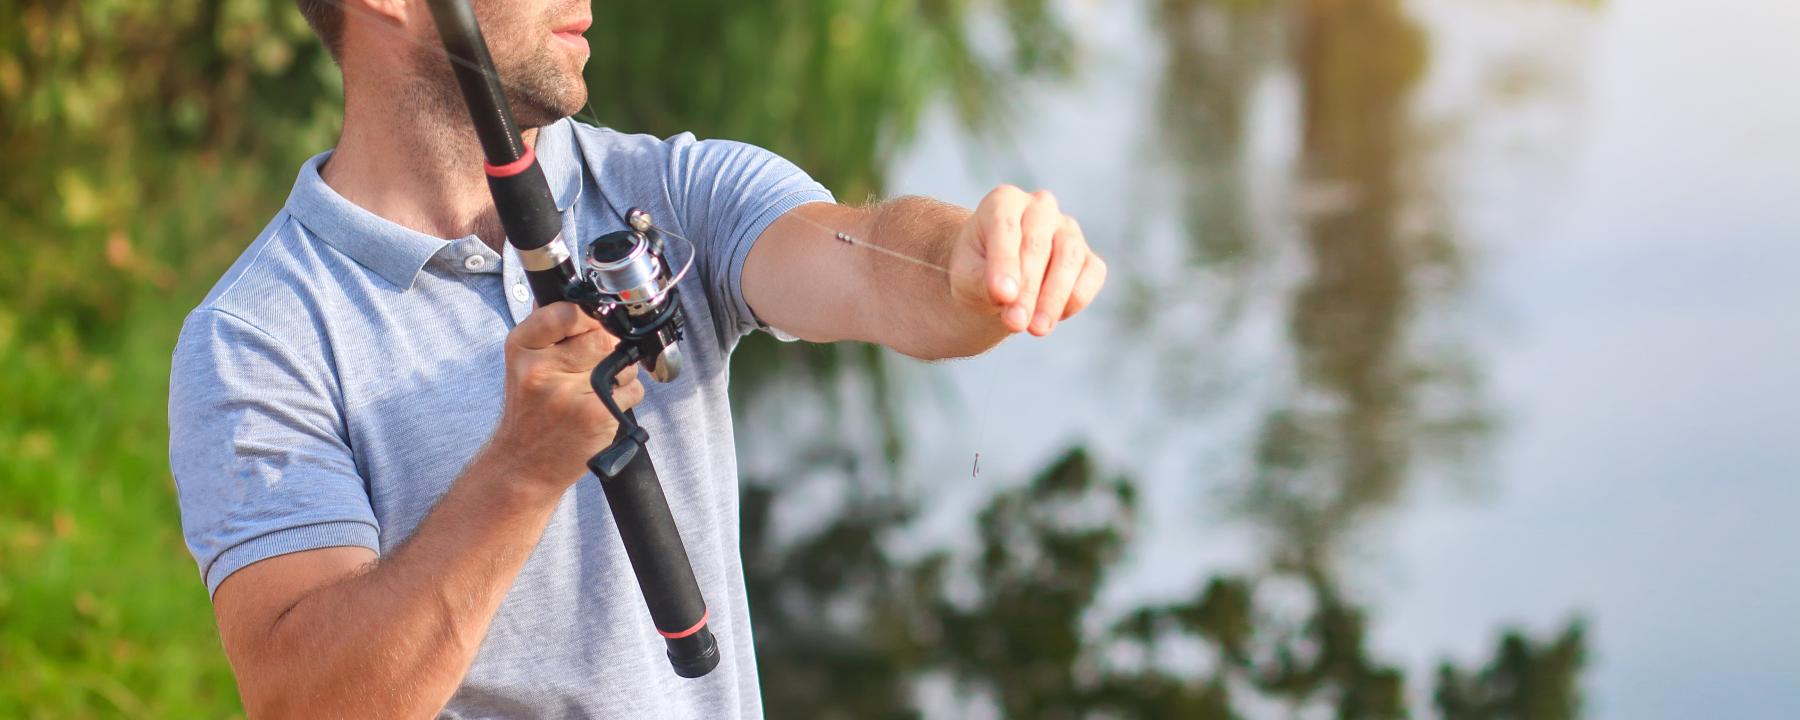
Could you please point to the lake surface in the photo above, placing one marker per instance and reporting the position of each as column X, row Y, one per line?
column 1504, row 297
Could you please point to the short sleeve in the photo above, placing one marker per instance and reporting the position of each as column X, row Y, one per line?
column 725, row 193
column 257, row 448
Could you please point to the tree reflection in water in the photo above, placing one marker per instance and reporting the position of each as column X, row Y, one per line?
column 844, row 629
column 1373, row 396
column 847, row 627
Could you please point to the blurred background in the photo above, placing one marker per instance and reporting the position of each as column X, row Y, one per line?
column 1446, row 369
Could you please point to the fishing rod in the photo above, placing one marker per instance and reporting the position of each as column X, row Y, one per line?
column 463, row 64
column 630, row 286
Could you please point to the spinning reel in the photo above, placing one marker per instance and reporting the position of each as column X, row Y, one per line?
column 629, row 284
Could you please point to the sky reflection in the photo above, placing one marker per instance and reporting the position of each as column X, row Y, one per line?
column 1618, row 183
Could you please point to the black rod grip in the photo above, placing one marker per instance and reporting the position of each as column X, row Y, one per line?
column 528, row 212
column 529, row 215
column 515, row 179
column 548, row 286
column 660, row 562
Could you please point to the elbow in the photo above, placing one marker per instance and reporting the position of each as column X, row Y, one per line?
column 271, row 689
column 285, row 700
column 262, row 702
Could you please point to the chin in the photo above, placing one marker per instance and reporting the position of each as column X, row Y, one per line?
column 539, row 106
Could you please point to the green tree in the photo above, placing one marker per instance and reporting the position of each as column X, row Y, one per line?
column 1011, row 626
column 147, row 143
column 1525, row 680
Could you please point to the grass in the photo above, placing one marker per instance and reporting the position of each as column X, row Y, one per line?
column 102, row 612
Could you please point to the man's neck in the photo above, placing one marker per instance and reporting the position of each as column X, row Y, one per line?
column 415, row 170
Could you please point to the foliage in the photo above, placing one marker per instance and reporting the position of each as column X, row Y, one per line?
column 835, row 85
column 1012, row 628
column 146, row 144
column 1524, row 680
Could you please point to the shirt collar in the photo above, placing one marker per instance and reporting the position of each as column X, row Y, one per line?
column 398, row 253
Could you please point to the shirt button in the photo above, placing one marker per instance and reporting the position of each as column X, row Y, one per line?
column 520, row 293
column 474, row 262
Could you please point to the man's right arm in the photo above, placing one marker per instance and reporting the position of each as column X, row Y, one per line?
column 334, row 632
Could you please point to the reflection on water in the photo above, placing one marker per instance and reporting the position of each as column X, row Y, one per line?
column 1372, row 398
column 1377, row 391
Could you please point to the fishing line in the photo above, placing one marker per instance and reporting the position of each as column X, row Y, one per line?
column 845, row 238
column 594, row 118
column 988, row 376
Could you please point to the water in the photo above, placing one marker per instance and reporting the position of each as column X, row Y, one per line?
column 1493, row 303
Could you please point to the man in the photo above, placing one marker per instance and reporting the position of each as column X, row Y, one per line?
column 378, row 442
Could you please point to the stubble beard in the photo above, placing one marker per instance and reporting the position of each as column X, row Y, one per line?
column 541, row 91
column 537, row 87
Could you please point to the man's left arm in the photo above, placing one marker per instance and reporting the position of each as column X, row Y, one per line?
column 1015, row 263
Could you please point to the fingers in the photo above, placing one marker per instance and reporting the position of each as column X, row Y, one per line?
column 625, row 385
column 1021, row 258
column 998, row 223
column 1068, row 257
column 627, row 393
column 580, row 353
column 1093, row 276
column 1038, row 228
column 630, row 392
column 549, row 325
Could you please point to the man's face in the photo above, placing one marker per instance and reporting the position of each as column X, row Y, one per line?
column 539, row 52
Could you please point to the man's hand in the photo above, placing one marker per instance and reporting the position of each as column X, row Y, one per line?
column 552, row 421
column 1021, row 257
column 1015, row 263
column 332, row 632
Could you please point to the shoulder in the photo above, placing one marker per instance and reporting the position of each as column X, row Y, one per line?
column 270, row 292
column 611, row 152
column 266, row 265
column 676, row 159
column 640, row 145
column 596, row 137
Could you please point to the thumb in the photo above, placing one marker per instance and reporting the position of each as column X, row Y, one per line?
column 970, row 282
column 549, row 324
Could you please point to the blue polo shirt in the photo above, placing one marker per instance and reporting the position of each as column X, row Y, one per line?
column 343, row 371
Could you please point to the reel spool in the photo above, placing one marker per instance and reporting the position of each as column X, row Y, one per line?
column 630, row 282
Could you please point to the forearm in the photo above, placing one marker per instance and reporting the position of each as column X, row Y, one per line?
column 399, row 636
column 926, row 278
column 915, row 311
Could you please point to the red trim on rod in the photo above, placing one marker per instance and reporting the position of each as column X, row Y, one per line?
column 689, row 631
column 512, row 168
